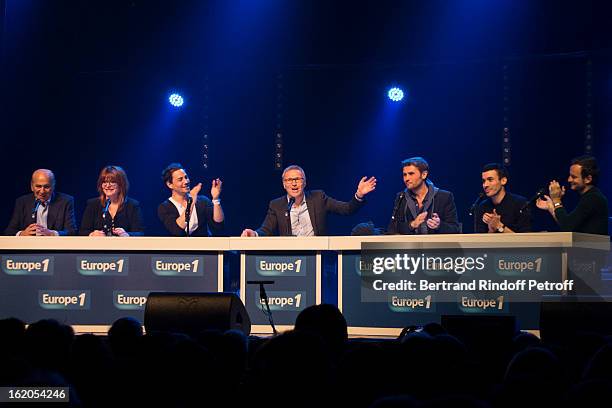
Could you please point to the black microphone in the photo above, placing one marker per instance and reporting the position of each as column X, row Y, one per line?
column 289, row 205
column 541, row 193
column 287, row 214
column 398, row 199
column 37, row 204
column 473, row 207
column 188, row 208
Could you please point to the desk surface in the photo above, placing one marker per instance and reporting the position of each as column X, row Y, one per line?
column 534, row 240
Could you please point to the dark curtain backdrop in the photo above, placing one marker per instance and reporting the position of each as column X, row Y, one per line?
column 86, row 84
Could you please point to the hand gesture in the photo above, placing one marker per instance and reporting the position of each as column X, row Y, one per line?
column 120, row 232
column 40, row 230
column 248, row 233
column 434, row 221
column 493, row 220
column 30, row 230
column 195, row 191
column 366, row 186
column 215, row 189
column 545, row 203
column 416, row 223
column 97, row 233
column 555, row 190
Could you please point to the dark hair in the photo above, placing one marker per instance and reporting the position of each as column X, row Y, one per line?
column 167, row 172
column 366, row 228
column 501, row 170
column 418, row 162
column 114, row 174
column 588, row 166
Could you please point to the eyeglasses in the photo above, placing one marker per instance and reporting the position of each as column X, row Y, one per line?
column 298, row 180
column 110, row 183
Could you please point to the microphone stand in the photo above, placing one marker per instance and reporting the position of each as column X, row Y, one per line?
column 263, row 296
column 473, row 208
column 35, row 211
column 188, row 213
column 394, row 215
column 541, row 192
column 108, row 231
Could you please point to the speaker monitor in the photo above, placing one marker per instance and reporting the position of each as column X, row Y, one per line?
column 191, row 313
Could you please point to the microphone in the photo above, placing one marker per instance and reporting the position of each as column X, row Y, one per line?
column 398, row 199
column 106, row 207
column 473, row 207
column 287, row 214
column 37, row 204
column 289, row 205
column 541, row 192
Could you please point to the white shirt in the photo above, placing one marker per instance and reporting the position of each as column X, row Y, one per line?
column 193, row 219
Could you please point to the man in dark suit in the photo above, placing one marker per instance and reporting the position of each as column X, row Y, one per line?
column 45, row 212
column 422, row 208
column 304, row 213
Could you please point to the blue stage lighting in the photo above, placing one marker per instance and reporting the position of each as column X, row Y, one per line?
column 176, row 100
column 395, row 94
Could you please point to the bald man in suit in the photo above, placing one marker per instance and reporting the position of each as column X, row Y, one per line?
column 43, row 212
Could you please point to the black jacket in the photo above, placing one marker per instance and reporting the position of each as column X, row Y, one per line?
column 128, row 217
column 442, row 203
column 59, row 218
column 168, row 214
column 277, row 220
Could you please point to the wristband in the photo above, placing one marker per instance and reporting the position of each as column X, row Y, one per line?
column 216, row 201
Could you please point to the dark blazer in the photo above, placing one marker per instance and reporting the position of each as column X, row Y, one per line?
column 443, row 205
column 60, row 217
column 168, row 214
column 128, row 217
column 319, row 204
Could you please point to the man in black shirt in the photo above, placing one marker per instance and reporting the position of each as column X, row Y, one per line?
column 591, row 214
column 500, row 211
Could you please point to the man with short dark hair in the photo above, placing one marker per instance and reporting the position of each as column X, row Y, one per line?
column 206, row 215
column 591, row 214
column 501, row 211
column 304, row 213
column 44, row 211
column 422, row 208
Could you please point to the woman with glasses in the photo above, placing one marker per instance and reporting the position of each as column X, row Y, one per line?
column 112, row 213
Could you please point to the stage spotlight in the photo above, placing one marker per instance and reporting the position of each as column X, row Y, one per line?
column 176, row 100
column 395, row 94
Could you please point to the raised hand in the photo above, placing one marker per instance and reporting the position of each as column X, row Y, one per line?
column 195, row 191
column 555, row 190
column 215, row 189
column 366, row 186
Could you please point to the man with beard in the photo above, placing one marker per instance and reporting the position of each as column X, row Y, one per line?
column 422, row 208
column 591, row 214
